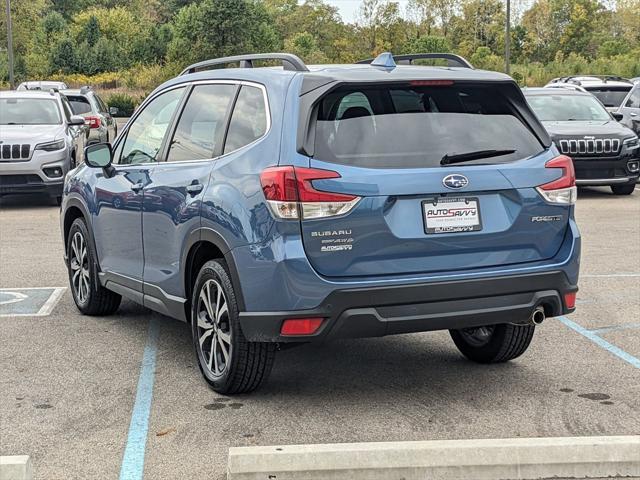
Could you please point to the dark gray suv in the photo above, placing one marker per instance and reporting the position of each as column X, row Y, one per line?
column 604, row 151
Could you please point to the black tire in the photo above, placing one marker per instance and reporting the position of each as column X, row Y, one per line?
column 623, row 189
column 92, row 298
column 247, row 364
column 505, row 342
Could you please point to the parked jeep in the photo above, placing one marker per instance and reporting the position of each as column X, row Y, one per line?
column 604, row 151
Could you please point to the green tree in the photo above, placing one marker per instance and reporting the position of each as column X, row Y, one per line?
column 63, row 57
column 428, row 44
column 91, row 31
column 217, row 28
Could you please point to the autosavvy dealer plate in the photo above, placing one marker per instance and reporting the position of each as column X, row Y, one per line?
column 451, row 215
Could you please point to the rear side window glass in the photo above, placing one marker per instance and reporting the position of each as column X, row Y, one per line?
column 79, row 105
column 417, row 126
column 249, row 119
column 634, row 99
column 201, row 125
column 610, row 96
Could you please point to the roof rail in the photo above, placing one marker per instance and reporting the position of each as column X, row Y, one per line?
column 289, row 62
column 575, row 79
column 452, row 59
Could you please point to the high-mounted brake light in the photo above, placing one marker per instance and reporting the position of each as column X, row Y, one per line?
column 291, row 195
column 92, row 121
column 431, row 83
column 563, row 190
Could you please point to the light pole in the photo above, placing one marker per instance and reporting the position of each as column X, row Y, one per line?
column 507, row 42
column 10, row 45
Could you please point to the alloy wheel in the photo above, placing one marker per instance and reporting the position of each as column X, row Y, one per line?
column 79, row 263
column 214, row 328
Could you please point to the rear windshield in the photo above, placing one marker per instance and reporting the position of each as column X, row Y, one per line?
column 414, row 126
column 29, row 111
column 610, row 96
column 79, row 104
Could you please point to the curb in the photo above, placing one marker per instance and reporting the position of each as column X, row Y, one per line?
column 508, row 459
column 15, row 467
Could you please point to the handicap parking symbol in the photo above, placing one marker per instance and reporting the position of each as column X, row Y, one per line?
column 29, row 302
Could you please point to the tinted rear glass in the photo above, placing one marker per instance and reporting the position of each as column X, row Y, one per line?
column 29, row 111
column 416, row 126
column 610, row 96
column 79, row 104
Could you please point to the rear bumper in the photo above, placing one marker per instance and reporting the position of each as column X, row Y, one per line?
column 379, row 311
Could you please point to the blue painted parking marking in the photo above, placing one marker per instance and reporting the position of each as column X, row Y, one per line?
column 133, row 460
column 591, row 335
column 29, row 302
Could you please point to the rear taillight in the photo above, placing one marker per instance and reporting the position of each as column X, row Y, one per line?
column 92, row 121
column 570, row 300
column 563, row 190
column 291, row 195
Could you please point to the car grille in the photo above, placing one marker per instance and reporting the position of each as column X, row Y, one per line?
column 589, row 147
column 15, row 152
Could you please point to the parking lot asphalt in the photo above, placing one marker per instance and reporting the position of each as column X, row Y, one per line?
column 69, row 383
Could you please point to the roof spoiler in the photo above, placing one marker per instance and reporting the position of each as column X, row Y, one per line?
column 452, row 59
column 289, row 62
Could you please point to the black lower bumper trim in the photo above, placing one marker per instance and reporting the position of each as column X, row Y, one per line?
column 379, row 311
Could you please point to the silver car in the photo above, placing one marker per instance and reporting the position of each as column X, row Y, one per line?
column 86, row 103
column 45, row 85
column 40, row 141
column 630, row 109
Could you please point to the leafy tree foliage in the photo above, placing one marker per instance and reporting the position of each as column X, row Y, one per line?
column 153, row 39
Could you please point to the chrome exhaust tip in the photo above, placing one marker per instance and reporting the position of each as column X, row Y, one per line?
column 538, row 316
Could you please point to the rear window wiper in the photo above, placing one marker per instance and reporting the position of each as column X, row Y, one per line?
column 467, row 157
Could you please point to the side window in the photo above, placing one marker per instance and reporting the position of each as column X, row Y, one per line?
column 249, row 119
column 634, row 99
column 145, row 134
column 201, row 126
column 101, row 105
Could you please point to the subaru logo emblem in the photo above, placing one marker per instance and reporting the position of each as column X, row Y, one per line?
column 455, row 181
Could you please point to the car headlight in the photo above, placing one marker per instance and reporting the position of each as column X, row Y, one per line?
column 631, row 143
column 51, row 146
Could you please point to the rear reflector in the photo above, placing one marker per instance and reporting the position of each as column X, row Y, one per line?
column 570, row 300
column 290, row 193
column 301, row 326
column 562, row 190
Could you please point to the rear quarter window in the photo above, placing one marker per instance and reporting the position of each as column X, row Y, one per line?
column 417, row 126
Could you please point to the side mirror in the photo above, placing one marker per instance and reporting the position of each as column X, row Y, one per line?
column 76, row 120
column 113, row 110
column 618, row 116
column 98, row 155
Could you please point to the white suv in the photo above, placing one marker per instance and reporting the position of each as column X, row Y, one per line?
column 40, row 141
column 610, row 90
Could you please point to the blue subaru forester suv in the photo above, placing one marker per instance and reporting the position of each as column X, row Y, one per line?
column 274, row 205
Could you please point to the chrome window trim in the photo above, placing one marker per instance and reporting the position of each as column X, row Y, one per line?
column 149, row 99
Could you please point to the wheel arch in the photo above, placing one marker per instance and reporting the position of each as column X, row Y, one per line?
column 203, row 245
column 76, row 209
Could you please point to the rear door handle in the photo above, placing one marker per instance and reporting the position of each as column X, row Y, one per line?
column 136, row 187
column 633, row 114
column 194, row 188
